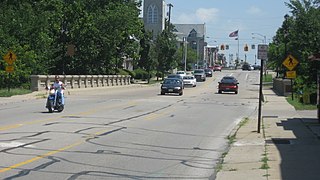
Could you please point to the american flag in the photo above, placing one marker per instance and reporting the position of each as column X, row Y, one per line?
column 234, row 34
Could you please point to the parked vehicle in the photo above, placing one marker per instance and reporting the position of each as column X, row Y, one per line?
column 228, row 84
column 54, row 101
column 217, row 68
column 208, row 72
column 200, row 75
column 172, row 85
column 189, row 80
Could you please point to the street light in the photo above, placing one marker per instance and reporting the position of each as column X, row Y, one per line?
column 264, row 37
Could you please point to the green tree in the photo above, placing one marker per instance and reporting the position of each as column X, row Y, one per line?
column 39, row 32
column 300, row 37
column 191, row 57
column 166, row 51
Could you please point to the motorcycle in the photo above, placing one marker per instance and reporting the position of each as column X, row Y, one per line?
column 54, row 101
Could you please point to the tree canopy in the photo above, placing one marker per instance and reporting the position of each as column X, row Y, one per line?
column 300, row 37
column 40, row 32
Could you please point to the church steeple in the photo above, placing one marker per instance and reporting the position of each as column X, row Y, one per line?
column 154, row 16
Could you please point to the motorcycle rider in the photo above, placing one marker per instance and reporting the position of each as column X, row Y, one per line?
column 59, row 87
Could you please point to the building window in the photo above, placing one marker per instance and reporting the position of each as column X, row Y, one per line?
column 152, row 14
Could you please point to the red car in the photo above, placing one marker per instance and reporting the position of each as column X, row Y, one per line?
column 217, row 68
column 228, row 84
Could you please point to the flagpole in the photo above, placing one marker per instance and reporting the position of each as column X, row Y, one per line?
column 238, row 47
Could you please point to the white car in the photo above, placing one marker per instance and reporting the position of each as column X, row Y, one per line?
column 181, row 73
column 189, row 81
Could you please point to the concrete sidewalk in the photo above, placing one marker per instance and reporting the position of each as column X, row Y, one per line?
column 288, row 147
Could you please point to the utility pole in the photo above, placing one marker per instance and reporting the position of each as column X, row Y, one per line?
column 169, row 15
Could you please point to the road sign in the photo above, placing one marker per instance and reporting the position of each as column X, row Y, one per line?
column 9, row 68
column 262, row 51
column 290, row 62
column 10, row 57
column 291, row 74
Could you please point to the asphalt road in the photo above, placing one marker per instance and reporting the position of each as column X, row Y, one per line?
column 129, row 132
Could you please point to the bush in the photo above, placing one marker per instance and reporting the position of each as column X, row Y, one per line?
column 131, row 73
column 140, row 74
column 122, row 72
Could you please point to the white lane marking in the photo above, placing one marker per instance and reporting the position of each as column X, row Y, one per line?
column 13, row 144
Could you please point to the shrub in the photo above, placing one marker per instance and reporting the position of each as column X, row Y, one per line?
column 131, row 73
column 140, row 74
column 122, row 72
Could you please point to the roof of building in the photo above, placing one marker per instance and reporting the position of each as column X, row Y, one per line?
column 183, row 30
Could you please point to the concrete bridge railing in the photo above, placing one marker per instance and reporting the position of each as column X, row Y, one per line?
column 40, row 82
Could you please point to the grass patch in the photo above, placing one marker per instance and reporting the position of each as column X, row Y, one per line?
column 12, row 92
column 267, row 78
column 154, row 81
column 300, row 106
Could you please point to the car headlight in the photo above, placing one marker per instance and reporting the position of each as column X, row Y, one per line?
column 164, row 87
column 177, row 88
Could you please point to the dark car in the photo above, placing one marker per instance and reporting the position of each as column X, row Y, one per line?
column 176, row 76
column 172, row 85
column 199, row 74
column 246, row 67
column 256, row 67
column 228, row 84
column 208, row 72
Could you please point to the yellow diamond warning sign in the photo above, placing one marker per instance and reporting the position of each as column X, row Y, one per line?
column 290, row 62
column 10, row 57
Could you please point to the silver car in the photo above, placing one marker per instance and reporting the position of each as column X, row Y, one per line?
column 189, row 80
column 200, row 75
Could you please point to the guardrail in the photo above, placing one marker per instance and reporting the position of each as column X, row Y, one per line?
column 40, row 82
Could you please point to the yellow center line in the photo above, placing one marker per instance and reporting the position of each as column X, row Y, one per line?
column 58, row 150
column 54, row 151
column 89, row 112
column 158, row 114
column 10, row 127
column 41, row 157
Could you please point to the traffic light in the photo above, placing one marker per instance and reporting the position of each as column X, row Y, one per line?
column 222, row 47
column 246, row 48
column 227, row 47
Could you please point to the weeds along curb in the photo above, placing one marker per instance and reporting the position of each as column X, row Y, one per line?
column 231, row 139
column 265, row 158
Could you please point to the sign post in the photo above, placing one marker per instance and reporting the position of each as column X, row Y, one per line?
column 262, row 55
column 10, row 58
column 290, row 63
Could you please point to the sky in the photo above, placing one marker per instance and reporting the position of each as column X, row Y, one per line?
column 261, row 17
